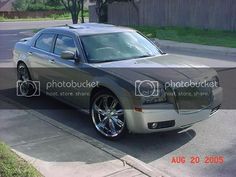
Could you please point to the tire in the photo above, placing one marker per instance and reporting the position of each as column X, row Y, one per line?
column 107, row 115
column 25, row 86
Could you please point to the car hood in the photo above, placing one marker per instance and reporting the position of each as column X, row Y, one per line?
column 161, row 68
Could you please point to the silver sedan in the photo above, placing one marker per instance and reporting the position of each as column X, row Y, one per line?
column 117, row 75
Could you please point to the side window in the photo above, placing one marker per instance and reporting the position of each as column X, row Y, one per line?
column 44, row 42
column 64, row 43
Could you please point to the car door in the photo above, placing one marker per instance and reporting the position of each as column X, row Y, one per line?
column 40, row 58
column 67, row 74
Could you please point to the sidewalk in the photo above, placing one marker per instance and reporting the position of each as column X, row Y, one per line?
column 57, row 151
column 189, row 47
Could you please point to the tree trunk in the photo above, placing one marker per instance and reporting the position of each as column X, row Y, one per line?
column 74, row 18
column 73, row 6
column 102, row 11
column 82, row 11
column 103, row 18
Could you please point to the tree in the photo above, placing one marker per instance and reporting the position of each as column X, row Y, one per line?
column 37, row 5
column 20, row 5
column 54, row 3
column 73, row 6
column 102, row 9
column 82, row 11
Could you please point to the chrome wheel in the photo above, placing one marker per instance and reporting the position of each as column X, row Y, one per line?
column 108, row 115
column 25, row 86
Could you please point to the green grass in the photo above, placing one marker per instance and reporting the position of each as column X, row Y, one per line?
column 191, row 35
column 13, row 166
column 36, row 30
column 65, row 16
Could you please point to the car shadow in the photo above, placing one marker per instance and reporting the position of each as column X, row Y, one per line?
column 145, row 147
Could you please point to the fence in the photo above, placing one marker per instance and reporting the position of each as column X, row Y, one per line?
column 207, row 14
column 92, row 14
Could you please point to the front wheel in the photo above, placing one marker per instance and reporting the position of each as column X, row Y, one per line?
column 108, row 115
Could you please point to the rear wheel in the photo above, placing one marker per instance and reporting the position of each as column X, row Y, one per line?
column 25, row 86
column 108, row 115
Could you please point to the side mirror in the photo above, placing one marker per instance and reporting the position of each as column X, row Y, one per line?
column 68, row 55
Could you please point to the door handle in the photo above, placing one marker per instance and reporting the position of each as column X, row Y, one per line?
column 51, row 61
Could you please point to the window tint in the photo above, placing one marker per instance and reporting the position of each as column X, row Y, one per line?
column 44, row 42
column 117, row 46
column 64, row 43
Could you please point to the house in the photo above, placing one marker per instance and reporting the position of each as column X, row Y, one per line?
column 6, row 5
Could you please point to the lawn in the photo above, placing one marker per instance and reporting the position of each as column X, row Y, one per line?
column 13, row 166
column 191, row 35
column 51, row 17
column 65, row 16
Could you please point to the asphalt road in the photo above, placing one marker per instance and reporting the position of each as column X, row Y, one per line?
column 213, row 137
column 31, row 24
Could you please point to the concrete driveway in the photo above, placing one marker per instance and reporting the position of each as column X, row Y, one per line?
column 213, row 137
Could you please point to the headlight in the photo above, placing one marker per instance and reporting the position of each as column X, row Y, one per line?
column 161, row 97
column 150, row 91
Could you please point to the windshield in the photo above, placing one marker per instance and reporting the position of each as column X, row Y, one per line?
column 117, row 46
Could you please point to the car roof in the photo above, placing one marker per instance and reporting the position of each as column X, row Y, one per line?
column 90, row 28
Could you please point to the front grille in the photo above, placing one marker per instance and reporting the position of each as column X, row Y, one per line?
column 192, row 98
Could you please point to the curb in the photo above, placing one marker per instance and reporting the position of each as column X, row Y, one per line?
column 125, row 158
column 190, row 47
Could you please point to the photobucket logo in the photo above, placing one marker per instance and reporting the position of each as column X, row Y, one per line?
column 190, row 83
column 71, row 84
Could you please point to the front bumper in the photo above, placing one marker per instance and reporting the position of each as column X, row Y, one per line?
column 169, row 118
